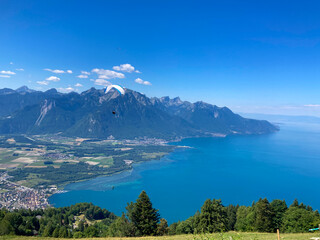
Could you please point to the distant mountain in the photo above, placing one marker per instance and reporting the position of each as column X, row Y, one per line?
column 15, row 100
column 89, row 114
column 24, row 89
column 212, row 119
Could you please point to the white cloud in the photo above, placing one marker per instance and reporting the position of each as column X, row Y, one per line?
column 66, row 90
column 107, row 74
column 53, row 78
column 20, row 69
column 137, row 71
column 78, row 85
column 5, row 76
column 82, row 76
column 312, row 105
column 125, row 68
column 140, row 81
column 101, row 82
column 7, row 72
column 85, row 72
column 69, row 71
column 11, row 63
column 43, row 82
column 54, row 71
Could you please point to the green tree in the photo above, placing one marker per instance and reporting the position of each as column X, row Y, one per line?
column 173, row 228
column 6, row 228
column 15, row 219
column 63, row 232
column 81, row 226
column 185, row 227
column 48, row 230
column 297, row 219
column 55, row 232
column 78, row 235
column 121, row 227
column 144, row 217
column 278, row 208
column 241, row 223
column 263, row 216
column 231, row 216
column 245, row 219
column 162, row 227
column 213, row 217
column 295, row 203
column 91, row 231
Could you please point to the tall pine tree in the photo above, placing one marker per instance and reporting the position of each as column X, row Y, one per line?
column 278, row 208
column 213, row 217
column 263, row 221
column 144, row 217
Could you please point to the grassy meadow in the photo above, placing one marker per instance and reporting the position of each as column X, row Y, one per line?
column 215, row 236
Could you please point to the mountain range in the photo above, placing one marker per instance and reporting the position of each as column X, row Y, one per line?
column 95, row 114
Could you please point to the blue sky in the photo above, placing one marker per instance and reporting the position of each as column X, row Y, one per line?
column 252, row 56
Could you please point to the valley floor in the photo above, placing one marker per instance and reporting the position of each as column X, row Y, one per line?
column 216, row 236
column 32, row 168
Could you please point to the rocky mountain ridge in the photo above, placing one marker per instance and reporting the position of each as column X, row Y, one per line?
column 89, row 114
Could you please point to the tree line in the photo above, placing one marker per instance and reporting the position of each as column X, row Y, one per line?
column 261, row 216
column 142, row 219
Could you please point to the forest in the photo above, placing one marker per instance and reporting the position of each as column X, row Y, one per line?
column 142, row 219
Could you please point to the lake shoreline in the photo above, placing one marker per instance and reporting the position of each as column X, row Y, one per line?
column 236, row 169
column 115, row 177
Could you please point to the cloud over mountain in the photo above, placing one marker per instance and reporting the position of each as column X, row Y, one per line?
column 107, row 74
column 140, row 81
column 43, row 83
column 66, row 90
column 125, row 68
column 101, row 82
column 53, row 78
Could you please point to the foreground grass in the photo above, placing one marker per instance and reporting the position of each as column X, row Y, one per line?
column 215, row 236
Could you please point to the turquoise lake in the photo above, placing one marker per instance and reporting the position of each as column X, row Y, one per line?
column 235, row 169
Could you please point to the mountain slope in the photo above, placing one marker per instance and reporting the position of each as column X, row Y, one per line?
column 14, row 100
column 210, row 118
column 89, row 114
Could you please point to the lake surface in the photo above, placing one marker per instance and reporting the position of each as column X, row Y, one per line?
column 236, row 169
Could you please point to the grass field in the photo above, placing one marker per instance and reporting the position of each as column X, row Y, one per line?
column 217, row 236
